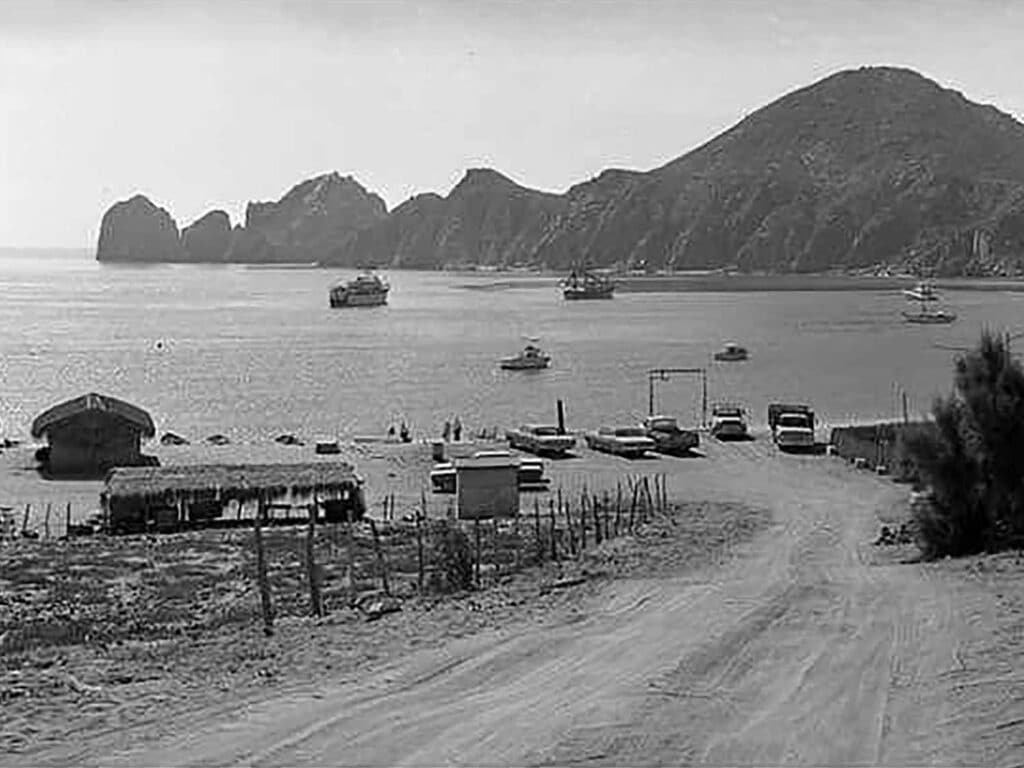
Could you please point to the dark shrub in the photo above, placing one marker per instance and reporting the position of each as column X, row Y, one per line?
column 974, row 460
column 455, row 559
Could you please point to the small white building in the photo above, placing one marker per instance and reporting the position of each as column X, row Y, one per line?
column 487, row 487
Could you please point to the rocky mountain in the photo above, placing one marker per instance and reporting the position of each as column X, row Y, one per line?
column 486, row 219
column 877, row 165
column 314, row 221
column 137, row 230
column 208, row 237
column 866, row 166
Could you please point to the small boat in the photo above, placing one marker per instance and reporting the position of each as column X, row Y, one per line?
column 532, row 358
column 365, row 290
column 926, row 294
column 587, row 284
column 930, row 317
column 731, row 352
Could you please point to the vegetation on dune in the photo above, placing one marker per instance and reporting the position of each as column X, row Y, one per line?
column 973, row 461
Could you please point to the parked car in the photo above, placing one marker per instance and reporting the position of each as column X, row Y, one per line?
column 729, row 422
column 631, row 442
column 667, row 435
column 541, row 439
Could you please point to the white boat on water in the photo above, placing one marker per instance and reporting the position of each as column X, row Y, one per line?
column 731, row 352
column 532, row 358
column 366, row 290
column 926, row 294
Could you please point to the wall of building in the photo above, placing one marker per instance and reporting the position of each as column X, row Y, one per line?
column 92, row 443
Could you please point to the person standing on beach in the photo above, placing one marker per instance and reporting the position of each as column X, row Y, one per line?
column 404, row 433
column 457, row 430
column 447, row 431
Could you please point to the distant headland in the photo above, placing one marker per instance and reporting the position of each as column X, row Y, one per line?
column 869, row 169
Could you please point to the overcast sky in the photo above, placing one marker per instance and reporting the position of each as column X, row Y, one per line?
column 211, row 104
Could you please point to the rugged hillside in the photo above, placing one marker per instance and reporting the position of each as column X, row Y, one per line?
column 486, row 219
column 314, row 221
column 869, row 166
column 137, row 230
column 866, row 166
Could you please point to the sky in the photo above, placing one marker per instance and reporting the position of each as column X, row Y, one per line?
column 202, row 105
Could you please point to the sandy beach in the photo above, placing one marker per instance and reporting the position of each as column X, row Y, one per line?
column 755, row 621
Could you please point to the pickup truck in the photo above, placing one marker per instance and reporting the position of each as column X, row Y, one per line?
column 729, row 422
column 792, row 426
column 667, row 435
column 631, row 442
column 541, row 439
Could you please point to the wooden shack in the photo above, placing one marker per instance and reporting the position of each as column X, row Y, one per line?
column 487, row 487
column 92, row 434
column 138, row 499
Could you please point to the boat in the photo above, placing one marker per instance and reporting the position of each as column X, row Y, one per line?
column 926, row 294
column 587, row 284
column 731, row 352
column 532, row 358
column 366, row 290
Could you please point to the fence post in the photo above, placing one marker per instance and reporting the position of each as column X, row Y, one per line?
column 551, row 518
column 598, row 527
column 46, row 522
column 536, row 525
column 349, row 558
column 266, row 606
column 67, row 521
column 570, row 534
column 382, row 561
column 583, row 522
column 421, row 516
column 476, row 565
column 518, row 541
column 24, row 521
column 315, row 603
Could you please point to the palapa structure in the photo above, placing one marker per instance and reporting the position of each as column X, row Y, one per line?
column 172, row 498
column 91, row 434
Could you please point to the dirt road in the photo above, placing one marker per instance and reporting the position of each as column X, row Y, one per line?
column 805, row 648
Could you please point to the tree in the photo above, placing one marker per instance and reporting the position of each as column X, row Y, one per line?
column 973, row 461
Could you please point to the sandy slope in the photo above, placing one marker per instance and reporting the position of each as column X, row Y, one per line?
column 809, row 648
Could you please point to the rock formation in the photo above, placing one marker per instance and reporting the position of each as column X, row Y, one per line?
column 137, row 230
column 486, row 219
column 868, row 166
column 207, row 238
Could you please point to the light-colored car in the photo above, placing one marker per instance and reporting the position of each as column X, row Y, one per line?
column 631, row 442
column 541, row 439
column 729, row 422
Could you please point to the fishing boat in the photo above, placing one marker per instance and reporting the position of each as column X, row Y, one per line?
column 532, row 358
column 587, row 284
column 731, row 352
column 926, row 294
column 366, row 290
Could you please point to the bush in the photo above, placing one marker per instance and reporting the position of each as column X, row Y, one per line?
column 973, row 461
column 455, row 559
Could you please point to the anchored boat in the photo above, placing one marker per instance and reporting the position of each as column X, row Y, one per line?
column 587, row 284
column 366, row 290
column 532, row 358
column 731, row 352
column 926, row 294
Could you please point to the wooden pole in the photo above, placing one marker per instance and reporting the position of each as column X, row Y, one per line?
column 583, row 522
column 315, row 602
column 606, row 505
column 476, row 564
column 421, row 516
column 518, row 541
column 382, row 561
column 266, row 606
column 67, row 521
column 24, row 520
column 554, row 542
column 46, row 522
column 536, row 529
column 349, row 557
column 599, row 531
column 561, row 417
column 568, row 528
column 634, row 486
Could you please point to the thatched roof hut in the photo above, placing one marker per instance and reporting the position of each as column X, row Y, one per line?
column 244, row 482
column 169, row 498
column 92, row 433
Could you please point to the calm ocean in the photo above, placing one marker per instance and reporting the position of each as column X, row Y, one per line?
column 252, row 353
